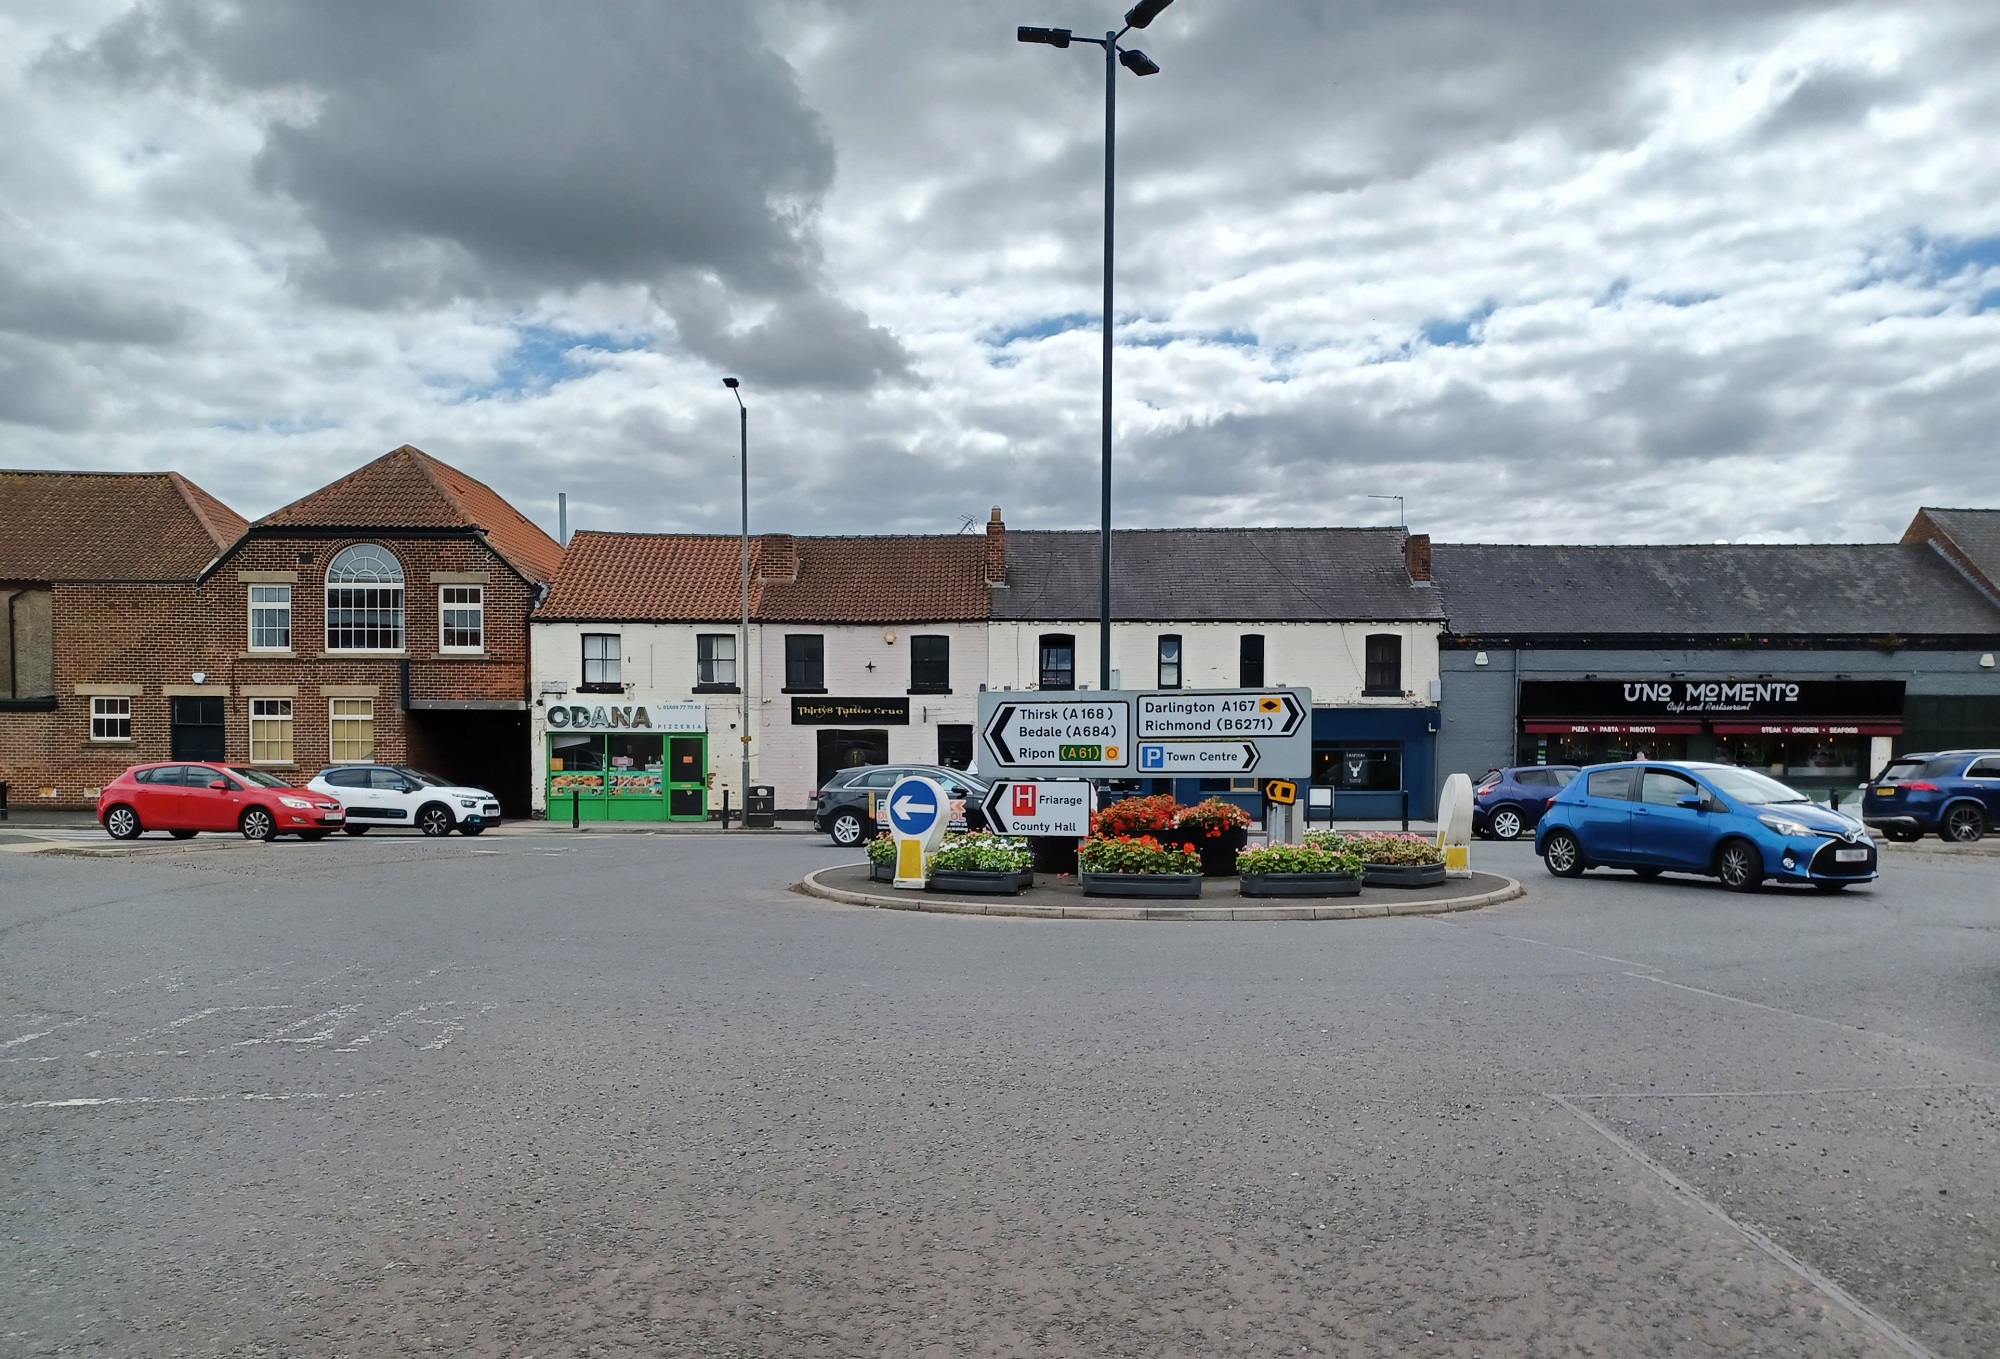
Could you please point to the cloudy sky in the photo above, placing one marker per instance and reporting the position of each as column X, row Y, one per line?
column 1552, row 270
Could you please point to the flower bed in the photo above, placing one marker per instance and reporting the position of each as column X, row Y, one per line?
column 1126, row 865
column 882, row 858
column 1389, row 859
column 1135, row 816
column 1308, row 870
column 1216, row 830
column 980, row 852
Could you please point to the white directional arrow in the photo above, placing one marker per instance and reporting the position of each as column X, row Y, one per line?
column 907, row 804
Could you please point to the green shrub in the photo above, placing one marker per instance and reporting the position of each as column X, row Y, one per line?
column 1306, row 858
column 882, row 850
column 1379, row 847
column 1134, row 854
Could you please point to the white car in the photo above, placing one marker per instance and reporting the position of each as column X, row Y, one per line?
column 397, row 795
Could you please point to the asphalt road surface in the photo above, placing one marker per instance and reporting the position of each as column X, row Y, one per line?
column 542, row 1094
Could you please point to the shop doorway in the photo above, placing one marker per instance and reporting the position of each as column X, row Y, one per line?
column 687, row 778
column 198, row 731
column 840, row 750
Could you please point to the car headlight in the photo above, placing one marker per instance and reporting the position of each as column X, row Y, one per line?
column 298, row 802
column 1784, row 825
column 468, row 802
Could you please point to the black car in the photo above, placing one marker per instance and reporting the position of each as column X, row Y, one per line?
column 845, row 807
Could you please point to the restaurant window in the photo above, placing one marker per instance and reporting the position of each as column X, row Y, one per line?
column 954, row 745
column 270, row 731
column 1796, row 757
column 364, row 600
column 1250, row 660
column 351, row 730
column 930, row 665
column 715, row 659
column 1384, row 672
column 805, row 663
column 1358, row 766
column 603, row 658
column 1170, row 662
column 270, row 618
column 461, row 618
column 1058, row 664
column 111, row 719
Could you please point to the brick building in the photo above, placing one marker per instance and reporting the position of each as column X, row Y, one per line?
column 102, row 650
column 381, row 618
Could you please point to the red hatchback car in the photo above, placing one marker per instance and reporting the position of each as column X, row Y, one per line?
column 184, row 799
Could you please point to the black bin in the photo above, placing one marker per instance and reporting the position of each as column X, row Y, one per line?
column 760, row 808
column 3, row 799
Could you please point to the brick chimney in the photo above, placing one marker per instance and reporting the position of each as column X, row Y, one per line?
column 996, row 549
column 1417, row 558
column 778, row 560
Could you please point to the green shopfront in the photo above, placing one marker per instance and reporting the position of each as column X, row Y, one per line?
column 627, row 761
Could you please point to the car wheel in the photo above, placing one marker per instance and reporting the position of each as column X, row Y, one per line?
column 1563, row 855
column 257, row 825
column 846, row 830
column 434, row 820
column 1739, row 865
column 122, row 823
column 1506, row 823
column 355, row 830
column 1647, row 873
column 182, row 834
column 1963, row 824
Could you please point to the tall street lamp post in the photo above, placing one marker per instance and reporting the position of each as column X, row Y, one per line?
column 743, row 629
column 1138, row 63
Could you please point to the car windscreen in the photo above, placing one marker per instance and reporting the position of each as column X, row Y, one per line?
column 1748, row 786
column 428, row 780
column 258, row 777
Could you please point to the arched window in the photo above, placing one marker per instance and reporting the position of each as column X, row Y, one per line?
column 364, row 600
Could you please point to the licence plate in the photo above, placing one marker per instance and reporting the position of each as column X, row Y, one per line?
column 334, row 816
column 1850, row 856
column 1886, row 790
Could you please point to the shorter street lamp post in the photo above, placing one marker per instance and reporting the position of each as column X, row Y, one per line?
column 1138, row 63
column 743, row 631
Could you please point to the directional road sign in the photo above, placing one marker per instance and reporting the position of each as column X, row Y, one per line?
column 1073, row 734
column 1132, row 733
column 914, row 806
column 1055, row 807
column 1193, row 715
column 1197, row 757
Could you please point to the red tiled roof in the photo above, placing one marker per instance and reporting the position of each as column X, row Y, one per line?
column 109, row 526
column 685, row 577
column 408, row 488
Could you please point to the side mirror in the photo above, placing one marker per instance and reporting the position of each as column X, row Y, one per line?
column 220, row 785
column 1694, row 803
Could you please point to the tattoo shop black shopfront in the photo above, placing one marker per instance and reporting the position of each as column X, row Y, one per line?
column 1817, row 734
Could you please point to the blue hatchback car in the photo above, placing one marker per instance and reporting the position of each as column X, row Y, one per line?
column 1735, row 824
column 1953, row 794
column 1510, row 801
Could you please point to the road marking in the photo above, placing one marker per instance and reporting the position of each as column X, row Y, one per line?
column 112, row 1101
column 1875, row 1322
column 54, row 1028
column 1780, row 1094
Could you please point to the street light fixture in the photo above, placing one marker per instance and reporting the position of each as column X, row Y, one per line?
column 743, row 631
column 1138, row 63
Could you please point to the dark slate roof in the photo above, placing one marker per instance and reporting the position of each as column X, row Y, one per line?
column 1865, row 589
column 1969, row 537
column 1216, row 575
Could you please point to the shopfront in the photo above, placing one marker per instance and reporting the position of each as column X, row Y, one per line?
column 1814, row 733
column 627, row 761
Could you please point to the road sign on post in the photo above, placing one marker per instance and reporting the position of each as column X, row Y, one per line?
column 917, row 815
column 1057, row 807
column 1131, row 733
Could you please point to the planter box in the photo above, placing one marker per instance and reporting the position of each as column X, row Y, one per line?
column 1403, row 875
column 1141, row 884
column 1301, row 885
column 970, row 880
column 882, row 872
column 1218, row 856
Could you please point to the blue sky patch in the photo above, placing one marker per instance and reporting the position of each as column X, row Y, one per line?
column 546, row 356
column 1043, row 328
column 1463, row 333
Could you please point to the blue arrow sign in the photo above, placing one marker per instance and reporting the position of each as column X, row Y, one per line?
column 913, row 806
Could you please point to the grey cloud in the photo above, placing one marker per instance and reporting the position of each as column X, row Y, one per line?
column 1831, row 97
column 807, row 340
column 40, row 386
column 73, row 309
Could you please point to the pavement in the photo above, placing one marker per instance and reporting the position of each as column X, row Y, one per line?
column 629, row 1095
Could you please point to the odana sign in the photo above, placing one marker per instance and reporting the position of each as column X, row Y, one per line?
column 659, row 717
